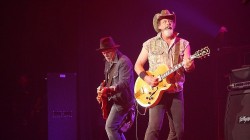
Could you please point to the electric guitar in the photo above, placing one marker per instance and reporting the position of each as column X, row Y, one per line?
column 105, row 105
column 148, row 96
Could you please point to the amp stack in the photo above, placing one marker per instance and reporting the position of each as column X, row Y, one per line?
column 237, row 115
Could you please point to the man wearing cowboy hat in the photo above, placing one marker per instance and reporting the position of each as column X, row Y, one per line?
column 168, row 49
column 118, row 87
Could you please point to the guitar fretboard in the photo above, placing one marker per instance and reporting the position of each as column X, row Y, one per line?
column 175, row 68
column 198, row 54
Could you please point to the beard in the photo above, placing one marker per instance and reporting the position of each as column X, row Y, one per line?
column 168, row 32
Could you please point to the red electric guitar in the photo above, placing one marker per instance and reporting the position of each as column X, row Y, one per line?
column 105, row 104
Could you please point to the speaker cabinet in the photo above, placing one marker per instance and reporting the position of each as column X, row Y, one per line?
column 61, row 90
column 237, row 117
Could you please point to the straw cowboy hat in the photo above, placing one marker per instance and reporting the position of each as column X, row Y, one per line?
column 165, row 14
column 107, row 43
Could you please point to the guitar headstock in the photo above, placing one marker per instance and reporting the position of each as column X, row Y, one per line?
column 202, row 53
column 102, row 85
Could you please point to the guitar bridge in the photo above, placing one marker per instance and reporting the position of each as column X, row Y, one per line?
column 149, row 98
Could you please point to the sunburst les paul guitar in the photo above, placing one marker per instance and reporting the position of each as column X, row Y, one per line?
column 148, row 96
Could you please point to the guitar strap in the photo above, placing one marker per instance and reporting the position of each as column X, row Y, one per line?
column 177, row 51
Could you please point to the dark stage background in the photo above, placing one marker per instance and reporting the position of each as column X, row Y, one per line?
column 60, row 36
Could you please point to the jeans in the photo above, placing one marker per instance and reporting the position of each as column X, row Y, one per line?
column 173, row 105
column 116, row 115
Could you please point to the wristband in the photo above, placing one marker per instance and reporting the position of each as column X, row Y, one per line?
column 142, row 75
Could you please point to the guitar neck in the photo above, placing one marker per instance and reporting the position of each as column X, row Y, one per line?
column 175, row 68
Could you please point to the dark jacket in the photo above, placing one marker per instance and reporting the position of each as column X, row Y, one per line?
column 123, row 79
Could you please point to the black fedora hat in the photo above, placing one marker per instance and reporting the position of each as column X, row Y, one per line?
column 107, row 43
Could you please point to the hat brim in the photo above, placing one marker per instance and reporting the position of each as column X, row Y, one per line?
column 103, row 49
column 172, row 17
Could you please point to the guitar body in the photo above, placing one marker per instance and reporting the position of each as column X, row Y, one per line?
column 105, row 103
column 148, row 96
column 106, row 106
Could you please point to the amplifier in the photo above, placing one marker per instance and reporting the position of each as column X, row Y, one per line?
column 237, row 115
column 239, row 75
